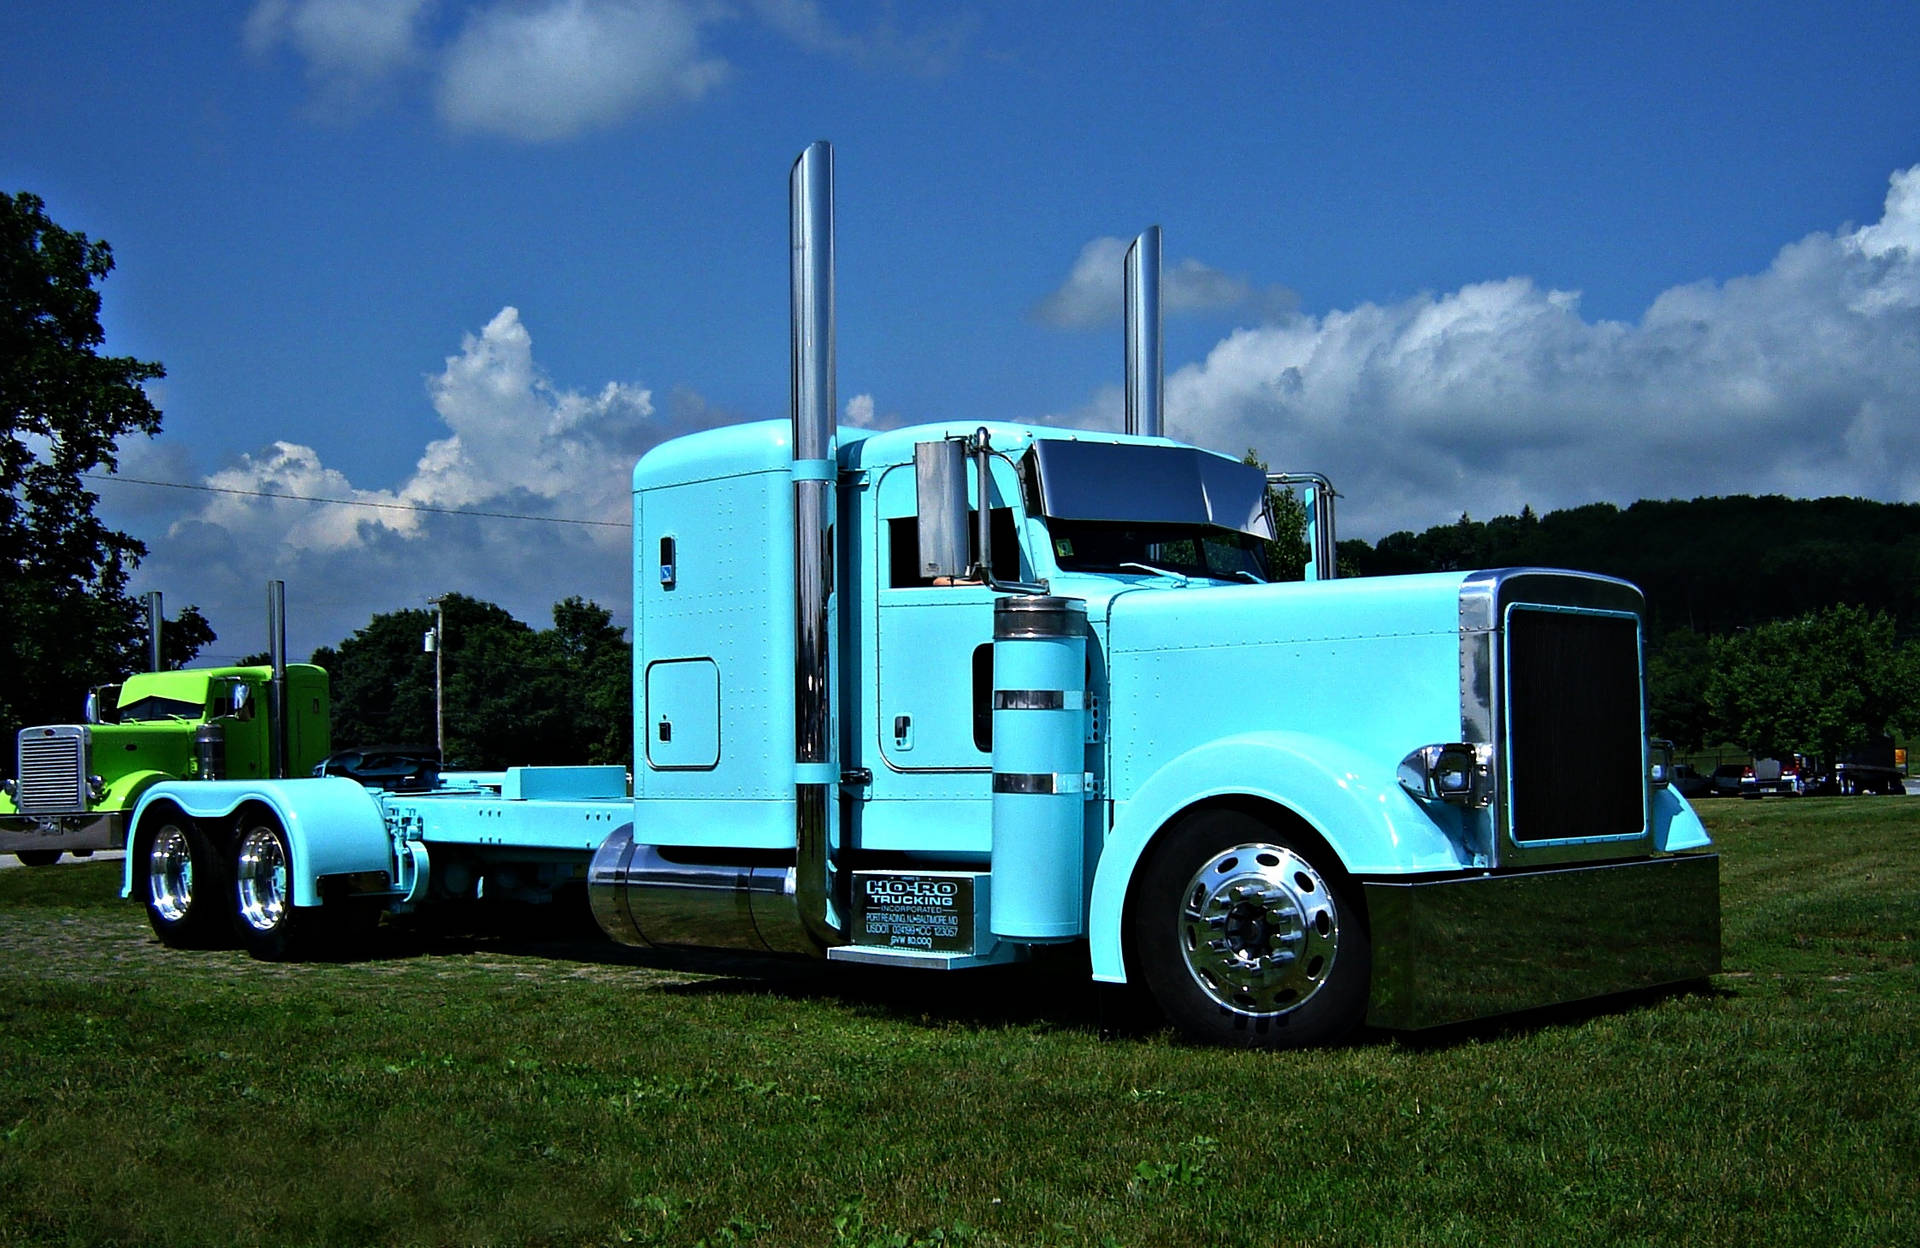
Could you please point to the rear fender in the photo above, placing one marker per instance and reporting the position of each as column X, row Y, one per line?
column 1351, row 801
column 333, row 825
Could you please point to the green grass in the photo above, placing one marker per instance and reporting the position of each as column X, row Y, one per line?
column 480, row 1089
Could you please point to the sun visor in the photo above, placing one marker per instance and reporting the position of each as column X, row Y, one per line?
column 1146, row 485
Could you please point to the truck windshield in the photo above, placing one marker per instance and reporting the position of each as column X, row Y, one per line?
column 1190, row 550
column 149, row 709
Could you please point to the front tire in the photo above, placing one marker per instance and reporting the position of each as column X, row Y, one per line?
column 185, row 882
column 37, row 857
column 1246, row 937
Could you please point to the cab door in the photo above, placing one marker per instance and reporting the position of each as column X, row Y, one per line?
column 931, row 701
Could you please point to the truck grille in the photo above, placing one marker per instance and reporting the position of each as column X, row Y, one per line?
column 53, row 770
column 1576, row 752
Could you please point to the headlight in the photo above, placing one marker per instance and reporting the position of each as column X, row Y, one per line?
column 1460, row 773
column 1660, row 762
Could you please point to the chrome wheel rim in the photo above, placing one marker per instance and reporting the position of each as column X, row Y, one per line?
column 1258, row 930
column 170, row 874
column 261, row 877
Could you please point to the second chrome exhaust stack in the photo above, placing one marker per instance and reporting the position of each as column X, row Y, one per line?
column 1146, row 379
column 816, row 770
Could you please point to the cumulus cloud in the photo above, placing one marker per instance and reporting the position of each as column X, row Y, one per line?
column 533, row 70
column 543, row 71
column 862, row 413
column 516, row 444
column 1803, row 379
column 566, row 66
column 349, row 46
column 1092, row 295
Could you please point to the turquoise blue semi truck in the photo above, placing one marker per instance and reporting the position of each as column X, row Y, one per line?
column 942, row 697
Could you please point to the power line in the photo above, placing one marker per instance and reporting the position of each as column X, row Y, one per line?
column 356, row 502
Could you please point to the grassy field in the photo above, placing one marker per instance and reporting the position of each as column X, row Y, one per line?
column 460, row 1088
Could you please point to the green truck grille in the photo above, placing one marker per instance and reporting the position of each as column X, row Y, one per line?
column 52, row 771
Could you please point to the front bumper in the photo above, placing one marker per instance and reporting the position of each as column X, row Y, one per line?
column 65, row 833
column 1449, row 950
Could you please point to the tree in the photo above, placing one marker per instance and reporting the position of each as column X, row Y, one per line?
column 1818, row 683
column 1287, row 553
column 512, row 695
column 66, row 622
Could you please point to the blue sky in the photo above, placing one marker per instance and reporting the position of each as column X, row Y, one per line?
column 480, row 255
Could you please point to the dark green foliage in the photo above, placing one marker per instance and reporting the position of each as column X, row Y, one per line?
column 1711, row 565
column 66, row 622
column 1815, row 684
column 1710, row 568
column 512, row 695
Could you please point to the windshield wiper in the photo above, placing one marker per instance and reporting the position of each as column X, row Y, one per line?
column 1175, row 577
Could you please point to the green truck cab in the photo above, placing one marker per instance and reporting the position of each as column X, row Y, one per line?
column 73, row 784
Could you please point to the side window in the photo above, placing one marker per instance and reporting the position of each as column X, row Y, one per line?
column 983, row 698
column 903, row 549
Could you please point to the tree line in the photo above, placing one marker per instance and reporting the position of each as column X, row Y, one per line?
column 510, row 694
column 1774, row 625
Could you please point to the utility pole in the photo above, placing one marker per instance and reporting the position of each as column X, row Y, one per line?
column 431, row 643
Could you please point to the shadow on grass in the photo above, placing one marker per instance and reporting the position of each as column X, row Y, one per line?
column 1054, row 990
column 1549, row 1017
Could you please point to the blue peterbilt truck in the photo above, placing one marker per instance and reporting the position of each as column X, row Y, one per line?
column 938, row 697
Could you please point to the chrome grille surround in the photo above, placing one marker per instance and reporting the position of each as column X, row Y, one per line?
column 1558, row 613
column 52, row 768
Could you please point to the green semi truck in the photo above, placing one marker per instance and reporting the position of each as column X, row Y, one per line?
column 74, row 784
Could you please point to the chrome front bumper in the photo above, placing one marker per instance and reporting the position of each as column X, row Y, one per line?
column 65, row 833
column 1445, row 951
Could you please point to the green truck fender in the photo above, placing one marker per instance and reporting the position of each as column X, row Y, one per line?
column 334, row 826
column 1350, row 800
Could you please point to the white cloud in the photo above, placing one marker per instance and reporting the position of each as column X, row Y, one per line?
column 1803, row 379
column 930, row 52
column 1092, row 295
column 566, row 66
column 862, row 413
column 349, row 45
column 516, row 443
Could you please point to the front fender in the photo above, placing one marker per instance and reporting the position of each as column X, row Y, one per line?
column 1354, row 803
column 1676, row 826
column 333, row 825
column 125, row 791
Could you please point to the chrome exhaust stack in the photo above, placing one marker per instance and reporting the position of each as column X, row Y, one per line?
column 277, row 687
column 1146, row 379
column 156, row 661
column 645, row 894
column 816, row 772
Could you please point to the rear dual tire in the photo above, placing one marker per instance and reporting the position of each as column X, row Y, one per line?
column 186, row 885
column 200, row 895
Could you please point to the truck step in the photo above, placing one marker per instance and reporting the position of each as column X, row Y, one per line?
column 999, row 955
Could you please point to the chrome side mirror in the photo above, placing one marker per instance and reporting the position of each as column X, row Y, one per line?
column 940, row 480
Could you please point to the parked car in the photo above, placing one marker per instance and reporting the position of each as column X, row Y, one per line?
column 1689, row 783
column 1725, row 780
column 396, row 768
column 1771, row 777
